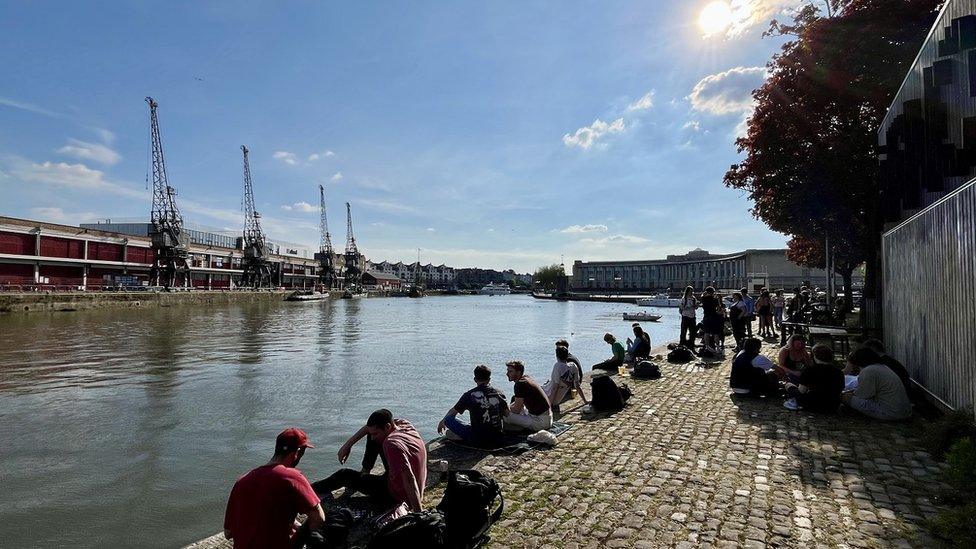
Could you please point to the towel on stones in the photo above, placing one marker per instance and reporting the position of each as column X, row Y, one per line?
column 512, row 443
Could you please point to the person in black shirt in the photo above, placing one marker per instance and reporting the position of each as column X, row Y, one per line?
column 820, row 384
column 752, row 373
column 486, row 406
column 712, row 322
column 894, row 365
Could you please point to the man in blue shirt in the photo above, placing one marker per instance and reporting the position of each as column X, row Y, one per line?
column 486, row 406
column 750, row 311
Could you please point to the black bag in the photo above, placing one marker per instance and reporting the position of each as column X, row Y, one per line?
column 606, row 395
column 705, row 352
column 646, row 369
column 681, row 354
column 467, row 507
column 423, row 529
column 625, row 392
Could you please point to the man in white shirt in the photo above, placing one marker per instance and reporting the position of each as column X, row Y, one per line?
column 564, row 377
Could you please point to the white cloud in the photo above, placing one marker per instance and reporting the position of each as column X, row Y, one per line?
column 614, row 239
column 644, row 103
column 692, row 125
column 728, row 92
column 73, row 176
column 748, row 14
column 386, row 206
column 588, row 136
column 57, row 215
column 286, row 157
column 29, row 107
column 314, row 157
column 91, row 151
column 107, row 136
column 583, row 229
column 430, row 229
column 336, row 177
column 300, row 207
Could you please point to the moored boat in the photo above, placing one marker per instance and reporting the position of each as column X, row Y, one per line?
column 642, row 317
column 495, row 289
column 306, row 296
column 659, row 300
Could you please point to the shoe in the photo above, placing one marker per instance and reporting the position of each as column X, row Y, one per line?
column 791, row 404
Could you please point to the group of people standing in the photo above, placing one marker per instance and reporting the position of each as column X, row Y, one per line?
column 740, row 312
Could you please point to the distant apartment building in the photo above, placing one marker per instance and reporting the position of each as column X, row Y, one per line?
column 473, row 278
column 432, row 276
column 698, row 268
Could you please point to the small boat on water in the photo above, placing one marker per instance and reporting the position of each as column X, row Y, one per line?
column 660, row 300
column 642, row 317
column 306, row 296
column 495, row 289
column 351, row 295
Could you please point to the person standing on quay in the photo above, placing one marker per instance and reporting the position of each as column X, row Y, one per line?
column 738, row 316
column 713, row 323
column 689, row 323
column 750, row 308
column 264, row 503
column 779, row 304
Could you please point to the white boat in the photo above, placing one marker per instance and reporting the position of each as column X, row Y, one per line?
column 642, row 317
column 306, row 296
column 495, row 289
column 660, row 300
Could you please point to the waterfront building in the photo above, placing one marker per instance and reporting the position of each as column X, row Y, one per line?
column 374, row 280
column 36, row 254
column 698, row 268
column 436, row 277
column 475, row 278
column 927, row 262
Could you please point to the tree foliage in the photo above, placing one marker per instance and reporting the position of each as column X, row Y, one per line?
column 547, row 276
column 810, row 166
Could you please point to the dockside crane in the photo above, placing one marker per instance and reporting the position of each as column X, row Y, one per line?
column 170, row 244
column 326, row 256
column 257, row 268
column 354, row 270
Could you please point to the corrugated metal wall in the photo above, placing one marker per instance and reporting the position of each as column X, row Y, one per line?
column 930, row 296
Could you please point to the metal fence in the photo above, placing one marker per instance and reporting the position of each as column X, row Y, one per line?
column 929, row 299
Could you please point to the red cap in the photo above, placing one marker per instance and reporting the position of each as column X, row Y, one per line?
column 292, row 439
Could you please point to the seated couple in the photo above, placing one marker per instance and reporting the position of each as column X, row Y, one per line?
column 640, row 347
column 815, row 388
column 490, row 413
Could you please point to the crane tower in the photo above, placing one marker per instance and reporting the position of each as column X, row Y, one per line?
column 170, row 245
column 257, row 269
column 326, row 256
column 354, row 267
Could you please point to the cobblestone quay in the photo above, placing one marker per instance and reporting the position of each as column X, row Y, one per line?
column 686, row 465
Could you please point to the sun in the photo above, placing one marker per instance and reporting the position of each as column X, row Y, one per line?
column 715, row 17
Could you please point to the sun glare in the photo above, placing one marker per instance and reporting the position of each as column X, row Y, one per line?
column 715, row 18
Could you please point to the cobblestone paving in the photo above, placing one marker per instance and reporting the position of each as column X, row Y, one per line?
column 687, row 466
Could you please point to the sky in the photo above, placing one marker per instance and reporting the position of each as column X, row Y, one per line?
column 508, row 134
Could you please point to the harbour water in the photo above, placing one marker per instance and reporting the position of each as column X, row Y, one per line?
column 128, row 427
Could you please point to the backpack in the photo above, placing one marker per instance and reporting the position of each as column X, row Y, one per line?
column 646, row 369
column 680, row 354
column 466, row 506
column 423, row 529
column 606, row 396
column 705, row 352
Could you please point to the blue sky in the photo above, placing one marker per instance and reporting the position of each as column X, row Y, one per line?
column 494, row 134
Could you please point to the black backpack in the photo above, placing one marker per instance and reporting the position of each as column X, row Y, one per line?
column 680, row 354
column 423, row 529
column 467, row 507
column 646, row 369
column 606, row 395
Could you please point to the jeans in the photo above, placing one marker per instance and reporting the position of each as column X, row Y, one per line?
column 468, row 434
column 873, row 409
column 527, row 421
column 374, row 486
column 690, row 327
column 610, row 364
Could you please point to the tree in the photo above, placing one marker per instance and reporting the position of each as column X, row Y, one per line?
column 810, row 166
column 547, row 276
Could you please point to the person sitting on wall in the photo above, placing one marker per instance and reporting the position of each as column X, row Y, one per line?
column 530, row 409
column 617, row 359
column 819, row 386
column 562, row 380
column 571, row 359
column 401, row 486
column 892, row 363
column 486, row 406
column 793, row 358
column 640, row 347
column 264, row 503
column 752, row 373
column 880, row 394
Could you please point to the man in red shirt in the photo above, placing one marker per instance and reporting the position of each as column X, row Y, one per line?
column 264, row 503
